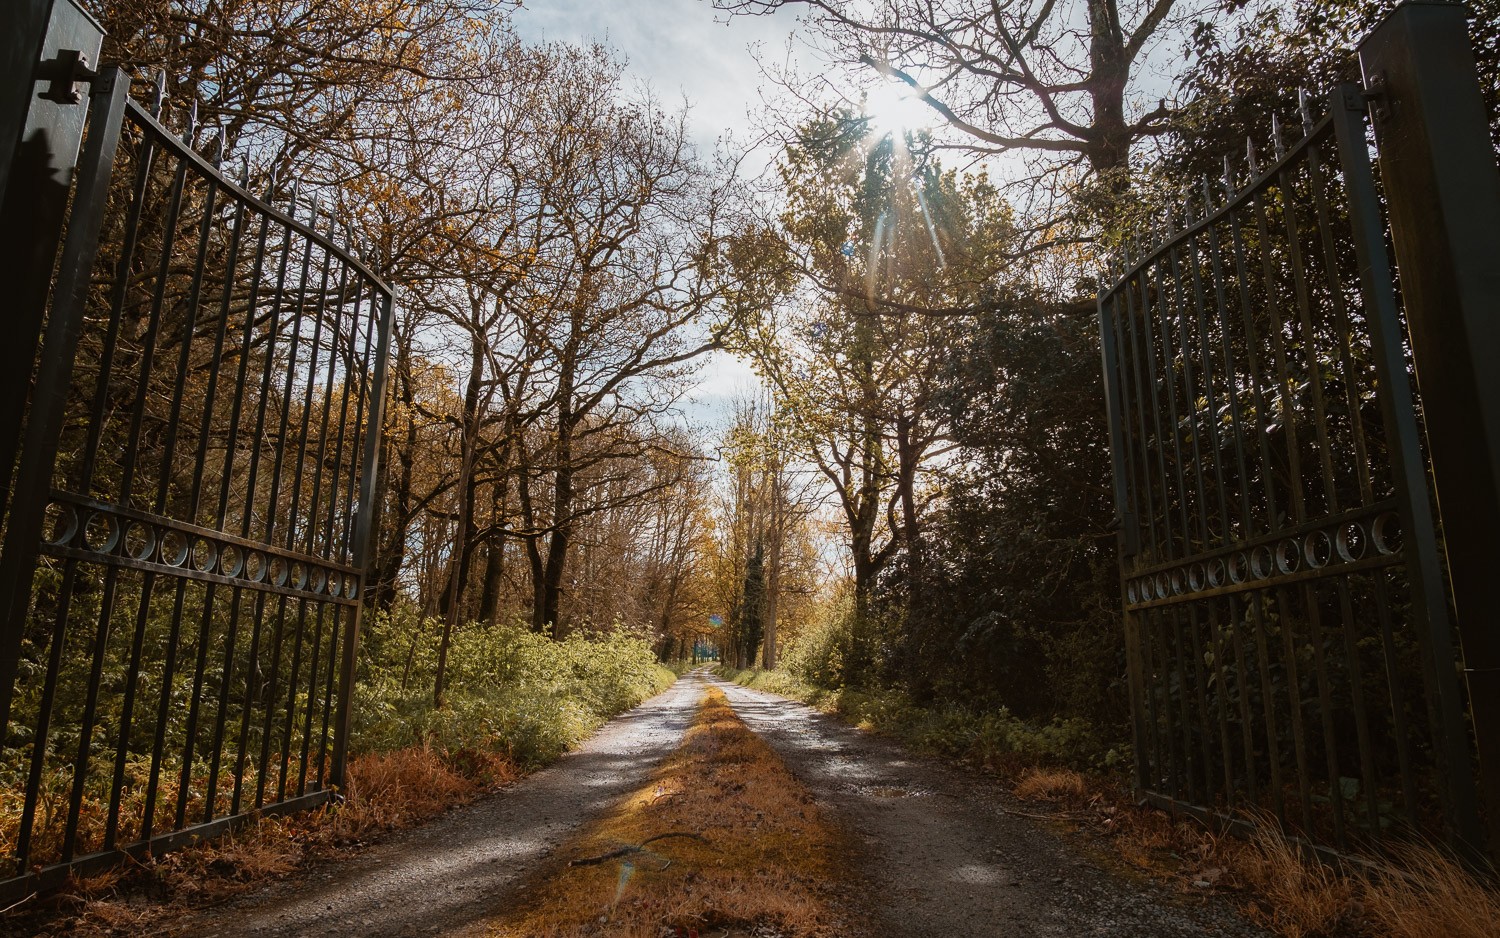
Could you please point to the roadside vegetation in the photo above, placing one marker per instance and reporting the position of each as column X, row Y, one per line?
column 520, row 701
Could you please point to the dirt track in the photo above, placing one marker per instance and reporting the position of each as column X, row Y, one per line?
column 940, row 855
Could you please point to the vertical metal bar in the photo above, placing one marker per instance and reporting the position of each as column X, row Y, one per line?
column 1429, row 598
column 1124, row 518
column 363, row 532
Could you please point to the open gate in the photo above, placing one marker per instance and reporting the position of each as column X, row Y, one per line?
column 1290, row 643
column 188, row 525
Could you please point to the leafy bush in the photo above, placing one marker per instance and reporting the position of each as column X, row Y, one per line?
column 508, row 689
column 992, row 736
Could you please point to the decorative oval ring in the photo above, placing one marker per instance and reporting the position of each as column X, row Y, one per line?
column 1238, row 567
column 317, row 578
column 351, row 586
column 205, row 554
column 335, row 582
column 277, row 571
column 1216, row 572
column 1385, row 533
column 1175, row 579
column 1288, row 556
column 1352, row 542
column 297, row 575
column 1197, row 577
column 231, row 560
column 174, row 548
column 1163, row 586
column 140, row 540
column 1317, row 549
column 1130, row 591
column 101, row 533
column 255, row 566
column 61, row 523
column 1262, row 563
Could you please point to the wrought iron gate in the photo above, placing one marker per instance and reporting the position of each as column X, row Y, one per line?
column 1288, row 630
column 182, row 566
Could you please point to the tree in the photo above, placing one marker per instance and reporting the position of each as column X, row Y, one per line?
column 1060, row 85
column 891, row 248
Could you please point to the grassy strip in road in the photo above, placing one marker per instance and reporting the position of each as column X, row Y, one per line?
column 722, row 836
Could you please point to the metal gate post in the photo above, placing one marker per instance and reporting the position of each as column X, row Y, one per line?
column 49, row 50
column 1443, row 196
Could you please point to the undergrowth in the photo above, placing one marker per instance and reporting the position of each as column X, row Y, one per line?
column 995, row 738
column 516, row 701
column 508, row 689
column 721, row 837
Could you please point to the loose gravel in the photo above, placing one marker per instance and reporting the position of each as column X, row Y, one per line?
column 452, row 873
column 934, row 851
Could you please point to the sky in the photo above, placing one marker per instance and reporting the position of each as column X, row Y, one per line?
column 681, row 48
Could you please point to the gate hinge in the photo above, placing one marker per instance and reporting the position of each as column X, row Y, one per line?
column 65, row 74
column 1373, row 95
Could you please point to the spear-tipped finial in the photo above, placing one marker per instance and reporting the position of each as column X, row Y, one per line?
column 1228, row 178
column 213, row 146
column 1280, row 148
column 192, row 124
column 270, row 184
column 245, row 173
column 1304, row 109
column 159, row 93
column 1208, row 196
column 1251, row 157
column 312, row 219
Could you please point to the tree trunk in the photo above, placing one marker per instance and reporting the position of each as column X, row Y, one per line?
column 494, row 559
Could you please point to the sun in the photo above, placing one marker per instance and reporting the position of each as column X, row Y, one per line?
column 894, row 107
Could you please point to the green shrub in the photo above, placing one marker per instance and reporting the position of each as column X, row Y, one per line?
column 990, row 735
column 507, row 689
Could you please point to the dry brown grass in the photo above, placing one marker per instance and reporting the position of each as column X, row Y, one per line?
column 386, row 791
column 1423, row 893
column 1298, row 895
column 767, row 857
column 1420, row 892
column 1039, row 784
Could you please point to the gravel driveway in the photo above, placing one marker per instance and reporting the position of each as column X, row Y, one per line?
column 936, row 853
column 940, row 855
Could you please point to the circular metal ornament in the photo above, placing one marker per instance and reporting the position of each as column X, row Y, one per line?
column 1262, row 562
column 205, row 555
column 255, row 566
column 174, row 548
column 60, row 524
column 1352, row 542
column 1386, row 533
column 1317, row 549
column 102, row 532
column 231, row 560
